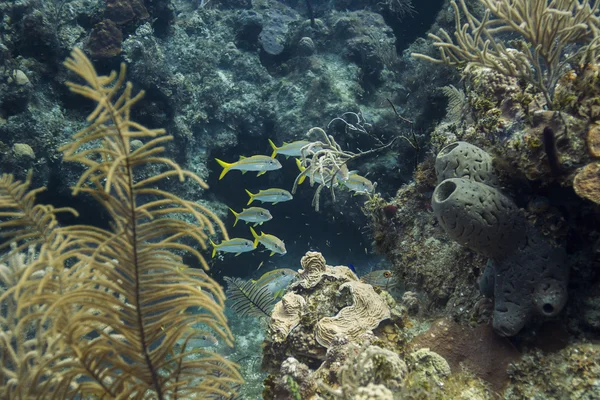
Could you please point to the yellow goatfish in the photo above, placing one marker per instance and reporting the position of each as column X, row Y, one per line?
column 277, row 281
column 270, row 196
column 262, row 164
column 236, row 245
column 271, row 242
column 257, row 215
column 358, row 184
column 289, row 149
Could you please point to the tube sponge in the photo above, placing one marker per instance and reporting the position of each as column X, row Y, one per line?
column 478, row 216
column 527, row 275
column 530, row 281
column 463, row 160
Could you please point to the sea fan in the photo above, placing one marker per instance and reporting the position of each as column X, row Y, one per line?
column 113, row 319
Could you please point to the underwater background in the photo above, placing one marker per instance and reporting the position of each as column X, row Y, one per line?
column 409, row 193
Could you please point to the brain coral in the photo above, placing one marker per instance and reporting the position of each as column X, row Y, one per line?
column 324, row 304
column 368, row 310
column 286, row 315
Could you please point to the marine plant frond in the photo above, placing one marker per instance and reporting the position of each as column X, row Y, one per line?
column 118, row 314
column 22, row 221
column 249, row 299
column 457, row 101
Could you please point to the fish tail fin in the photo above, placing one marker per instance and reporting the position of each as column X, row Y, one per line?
column 251, row 196
column 226, row 167
column 255, row 235
column 214, row 252
column 236, row 216
column 301, row 168
column 274, row 148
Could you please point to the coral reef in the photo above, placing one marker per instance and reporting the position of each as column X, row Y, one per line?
column 364, row 357
column 569, row 373
column 442, row 276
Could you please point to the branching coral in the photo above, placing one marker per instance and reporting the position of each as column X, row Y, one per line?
column 547, row 27
column 326, row 163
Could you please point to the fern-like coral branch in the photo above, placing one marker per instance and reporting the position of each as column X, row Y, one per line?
column 113, row 320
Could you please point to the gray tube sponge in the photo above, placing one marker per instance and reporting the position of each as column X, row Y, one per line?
column 463, row 160
column 532, row 280
column 527, row 275
column 478, row 216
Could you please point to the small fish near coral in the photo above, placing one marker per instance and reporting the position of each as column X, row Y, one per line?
column 293, row 149
column 382, row 278
column 235, row 245
column 259, row 163
column 199, row 341
column 277, row 280
column 272, row 195
column 256, row 215
column 358, row 184
column 271, row 242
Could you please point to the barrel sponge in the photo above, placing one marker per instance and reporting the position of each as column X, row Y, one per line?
column 463, row 160
column 478, row 216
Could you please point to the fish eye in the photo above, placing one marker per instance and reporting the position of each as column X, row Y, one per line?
column 387, row 274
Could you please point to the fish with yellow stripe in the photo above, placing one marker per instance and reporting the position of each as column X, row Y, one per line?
column 358, row 184
column 235, row 245
column 271, row 242
column 256, row 215
column 272, row 195
column 277, row 280
column 289, row 149
column 259, row 163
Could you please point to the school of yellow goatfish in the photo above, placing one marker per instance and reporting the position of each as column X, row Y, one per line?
column 276, row 281
column 258, row 215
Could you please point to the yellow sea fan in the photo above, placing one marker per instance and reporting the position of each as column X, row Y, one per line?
column 118, row 312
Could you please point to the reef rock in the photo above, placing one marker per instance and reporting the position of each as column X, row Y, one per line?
column 479, row 350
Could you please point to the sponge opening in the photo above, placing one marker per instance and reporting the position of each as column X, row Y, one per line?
column 448, row 149
column 444, row 191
